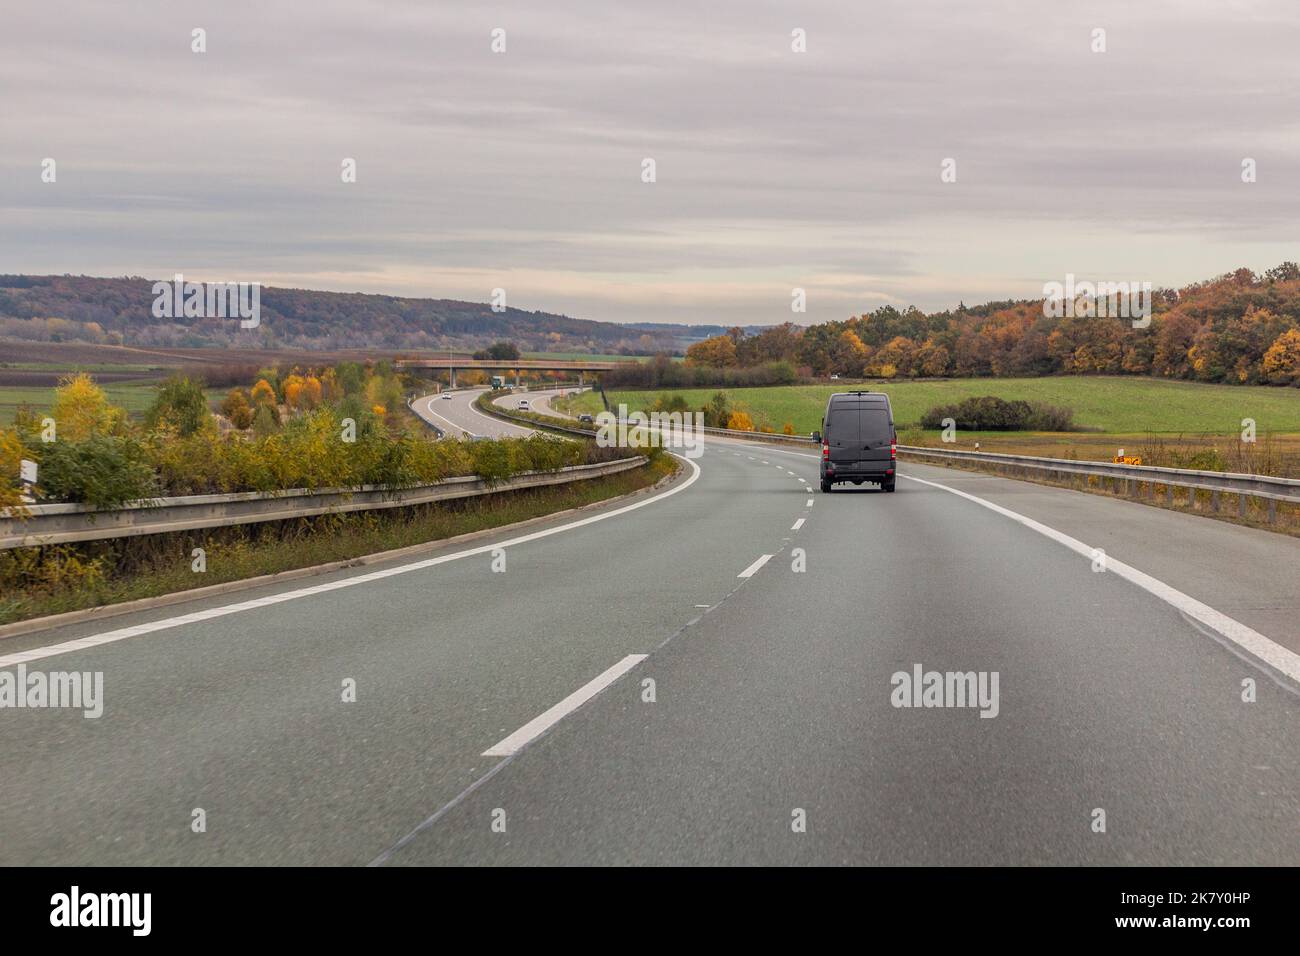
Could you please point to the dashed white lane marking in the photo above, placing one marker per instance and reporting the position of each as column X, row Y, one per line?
column 809, row 504
column 549, row 718
column 750, row 571
column 797, row 525
column 1248, row 639
column 121, row 634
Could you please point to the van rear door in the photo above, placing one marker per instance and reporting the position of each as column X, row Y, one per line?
column 875, row 431
column 842, row 434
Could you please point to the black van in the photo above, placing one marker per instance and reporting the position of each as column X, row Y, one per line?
column 858, row 440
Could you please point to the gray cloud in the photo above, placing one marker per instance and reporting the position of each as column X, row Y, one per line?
column 775, row 169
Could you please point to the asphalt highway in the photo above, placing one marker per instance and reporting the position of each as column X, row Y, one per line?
column 704, row 674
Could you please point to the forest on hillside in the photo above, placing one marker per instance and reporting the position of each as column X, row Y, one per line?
column 119, row 312
column 1239, row 328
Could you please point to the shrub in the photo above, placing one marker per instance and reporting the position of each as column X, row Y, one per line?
column 11, row 455
column 718, row 412
column 103, row 470
column 179, row 405
column 235, row 407
column 266, row 421
column 990, row 413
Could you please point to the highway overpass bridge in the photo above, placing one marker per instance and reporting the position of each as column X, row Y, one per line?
column 452, row 364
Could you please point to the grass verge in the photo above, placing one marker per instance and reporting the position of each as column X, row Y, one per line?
column 1115, row 404
column 1244, row 510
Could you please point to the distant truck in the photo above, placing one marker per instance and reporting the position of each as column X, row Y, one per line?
column 498, row 381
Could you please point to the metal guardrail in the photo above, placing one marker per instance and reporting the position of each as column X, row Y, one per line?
column 1265, row 487
column 65, row 523
column 1262, row 486
column 410, row 404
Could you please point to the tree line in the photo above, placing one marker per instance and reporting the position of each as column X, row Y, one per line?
column 1239, row 328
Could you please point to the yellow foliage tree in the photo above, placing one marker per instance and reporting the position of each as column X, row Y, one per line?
column 81, row 409
column 311, row 391
column 293, row 391
column 740, row 421
column 263, row 393
column 1281, row 363
column 11, row 454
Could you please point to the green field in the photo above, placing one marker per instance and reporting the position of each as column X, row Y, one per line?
column 133, row 396
column 1110, row 404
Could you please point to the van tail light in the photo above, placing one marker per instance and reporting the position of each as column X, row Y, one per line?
column 826, row 451
column 893, row 451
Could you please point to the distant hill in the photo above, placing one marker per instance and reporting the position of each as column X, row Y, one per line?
column 119, row 311
column 691, row 333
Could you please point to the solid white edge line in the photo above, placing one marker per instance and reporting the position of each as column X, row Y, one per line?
column 1254, row 643
column 119, row 634
column 1257, row 645
column 549, row 718
column 750, row 571
column 429, row 408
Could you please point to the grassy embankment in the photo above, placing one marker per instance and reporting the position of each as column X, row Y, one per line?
column 1177, row 421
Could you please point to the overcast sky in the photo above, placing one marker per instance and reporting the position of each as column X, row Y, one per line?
column 775, row 169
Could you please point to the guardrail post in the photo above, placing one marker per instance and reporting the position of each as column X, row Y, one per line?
column 1272, row 510
column 1241, row 505
column 1214, row 502
column 1169, row 489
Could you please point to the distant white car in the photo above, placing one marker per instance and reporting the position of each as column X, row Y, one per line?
column 446, row 396
column 523, row 403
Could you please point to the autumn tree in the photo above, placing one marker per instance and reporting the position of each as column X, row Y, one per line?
column 179, row 405
column 717, row 352
column 81, row 410
column 236, row 407
column 263, row 394
column 1281, row 363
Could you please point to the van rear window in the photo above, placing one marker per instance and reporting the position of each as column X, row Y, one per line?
column 874, row 424
column 842, row 423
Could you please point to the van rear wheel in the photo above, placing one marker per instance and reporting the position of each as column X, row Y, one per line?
column 826, row 486
column 888, row 486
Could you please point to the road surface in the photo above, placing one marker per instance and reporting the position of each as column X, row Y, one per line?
column 656, row 682
column 458, row 418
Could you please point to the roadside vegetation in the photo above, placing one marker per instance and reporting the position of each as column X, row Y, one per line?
column 38, row 581
column 341, row 427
